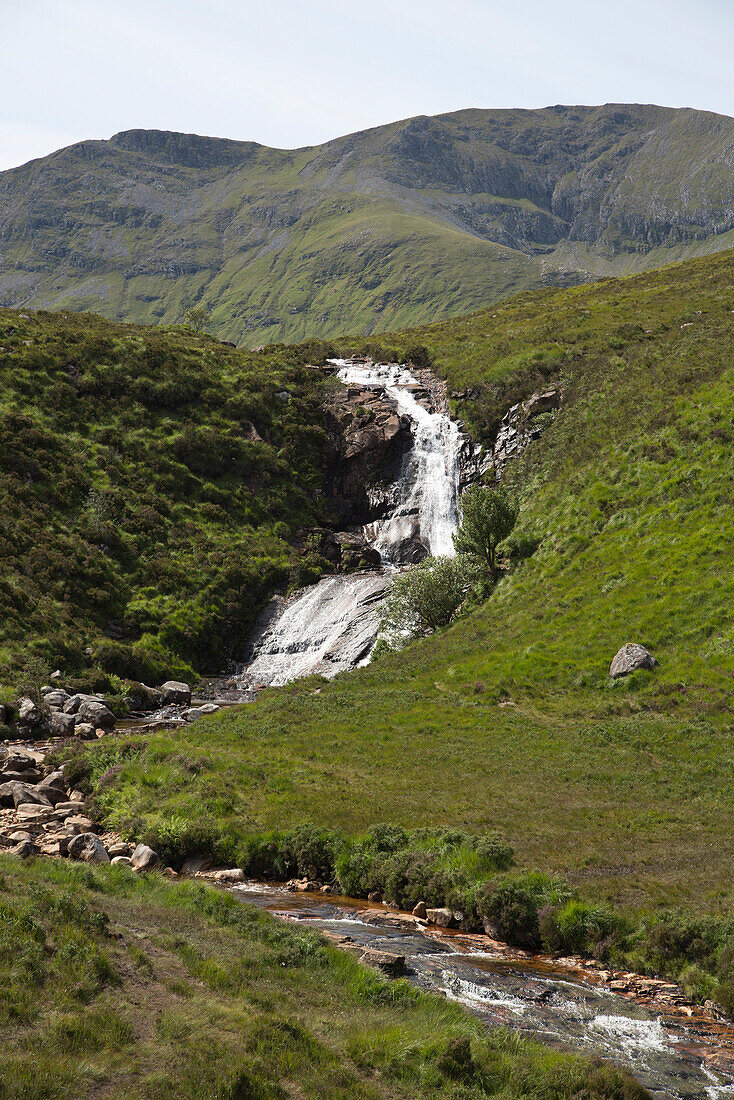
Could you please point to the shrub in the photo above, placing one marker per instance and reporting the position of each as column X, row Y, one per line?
column 488, row 517
column 425, row 598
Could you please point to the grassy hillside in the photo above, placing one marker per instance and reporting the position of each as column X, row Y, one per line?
column 151, row 484
column 121, row 986
column 416, row 220
column 508, row 720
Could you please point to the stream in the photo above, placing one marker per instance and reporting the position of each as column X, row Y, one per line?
column 667, row 1052
column 330, row 627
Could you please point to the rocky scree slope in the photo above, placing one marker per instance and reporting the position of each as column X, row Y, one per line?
column 422, row 218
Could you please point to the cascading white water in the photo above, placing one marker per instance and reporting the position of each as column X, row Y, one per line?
column 428, row 490
column 331, row 626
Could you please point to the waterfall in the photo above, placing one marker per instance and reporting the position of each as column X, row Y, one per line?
column 331, row 626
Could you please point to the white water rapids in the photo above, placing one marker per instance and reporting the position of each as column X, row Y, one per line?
column 331, row 626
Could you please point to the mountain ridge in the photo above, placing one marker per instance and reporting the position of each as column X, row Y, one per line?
column 421, row 218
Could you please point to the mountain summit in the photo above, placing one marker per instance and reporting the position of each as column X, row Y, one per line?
column 392, row 226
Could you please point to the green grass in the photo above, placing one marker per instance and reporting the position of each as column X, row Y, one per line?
column 507, row 720
column 113, row 986
column 143, row 527
column 416, row 220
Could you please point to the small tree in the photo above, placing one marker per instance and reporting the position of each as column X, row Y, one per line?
column 198, row 318
column 488, row 517
column 424, row 598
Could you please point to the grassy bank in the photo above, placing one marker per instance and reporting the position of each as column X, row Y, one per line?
column 151, row 484
column 121, row 986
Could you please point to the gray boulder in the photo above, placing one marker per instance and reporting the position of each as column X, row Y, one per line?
column 55, row 697
column 199, row 712
column 85, row 731
column 71, row 706
column 58, row 724
column 24, row 850
column 630, row 657
column 88, row 847
column 144, row 858
column 118, row 861
column 28, row 713
column 174, row 691
column 97, row 713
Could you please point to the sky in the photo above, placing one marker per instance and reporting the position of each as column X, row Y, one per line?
column 290, row 73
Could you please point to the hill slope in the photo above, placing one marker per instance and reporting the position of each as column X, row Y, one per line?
column 396, row 225
column 508, row 719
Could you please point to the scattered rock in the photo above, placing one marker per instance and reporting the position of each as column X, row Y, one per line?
column 392, row 965
column 630, row 657
column 118, row 849
column 420, row 910
column 96, row 713
column 230, row 874
column 119, row 860
column 197, row 863
column 443, row 917
column 144, row 858
column 193, row 713
column 28, row 713
column 58, row 724
column 15, row 794
column 24, row 850
column 54, row 697
column 174, row 691
column 88, row 847
column 85, row 731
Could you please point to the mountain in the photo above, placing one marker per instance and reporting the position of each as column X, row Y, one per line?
column 396, row 225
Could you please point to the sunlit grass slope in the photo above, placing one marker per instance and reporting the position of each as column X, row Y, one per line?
column 121, row 986
column 508, row 719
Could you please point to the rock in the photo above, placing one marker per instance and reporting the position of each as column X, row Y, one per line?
column 3, row 714
column 88, row 847
column 17, row 760
column 58, row 724
column 142, row 698
column 420, row 910
column 326, row 889
column 119, row 861
column 57, row 675
column 52, row 792
column 144, row 858
column 169, row 872
column 97, row 713
column 374, row 896
column 392, row 965
column 85, row 731
column 193, row 713
column 231, row 874
column 16, row 794
column 24, row 850
column 630, row 657
column 71, row 706
column 76, row 796
column 197, row 863
column 443, row 917
column 118, row 849
column 54, row 697
column 174, row 691
column 79, row 824
column 63, row 809
column 28, row 713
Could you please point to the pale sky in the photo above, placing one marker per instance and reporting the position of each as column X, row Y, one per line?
column 298, row 72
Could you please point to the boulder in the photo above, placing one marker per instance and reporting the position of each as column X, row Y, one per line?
column 118, row 848
column 88, row 847
column 229, row 874
column 144, row 858
column 54, row 697
column 71, row 706
column 18, row 794
column 3, row 714
column 51, row 791
column 58, row 724
column 420, row 910
column 142, row 698
column 630, row 657
column 97, row 713
column 199, row 712
column 174, row 691
column 386, row 961
column 118, row 861
column 443, row 917
column 28, row 713
column 194, row 864
column 85, row 731
column 24, row 850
